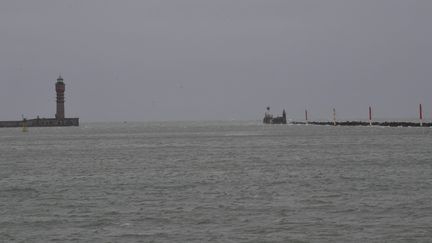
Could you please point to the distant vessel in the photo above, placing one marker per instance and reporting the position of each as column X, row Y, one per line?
column 269, row 119
column 58, row 121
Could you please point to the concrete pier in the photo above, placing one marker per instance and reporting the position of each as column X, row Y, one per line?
column 42, row 122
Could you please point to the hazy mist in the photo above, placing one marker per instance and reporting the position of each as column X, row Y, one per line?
column 137, row 60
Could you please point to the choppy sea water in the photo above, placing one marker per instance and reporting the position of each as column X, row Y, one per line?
column 215, row 182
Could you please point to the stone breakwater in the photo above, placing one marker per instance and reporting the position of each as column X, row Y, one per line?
column 42, row 122
column 363, row 123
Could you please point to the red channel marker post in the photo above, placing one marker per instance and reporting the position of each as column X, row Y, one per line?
column 370, row 116
column 334, row 116
column 421, row 114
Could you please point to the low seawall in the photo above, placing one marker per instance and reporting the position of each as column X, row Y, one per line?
column 42, row 122
column 11, row 123
column 362, row 123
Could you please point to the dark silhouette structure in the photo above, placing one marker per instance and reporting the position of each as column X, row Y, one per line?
column 58, row 121
column 269, row 119
column 60, row 89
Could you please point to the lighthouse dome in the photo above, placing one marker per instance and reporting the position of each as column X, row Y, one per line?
column 60, row 79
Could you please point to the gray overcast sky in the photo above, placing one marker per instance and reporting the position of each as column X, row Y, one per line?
column 150, row 60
